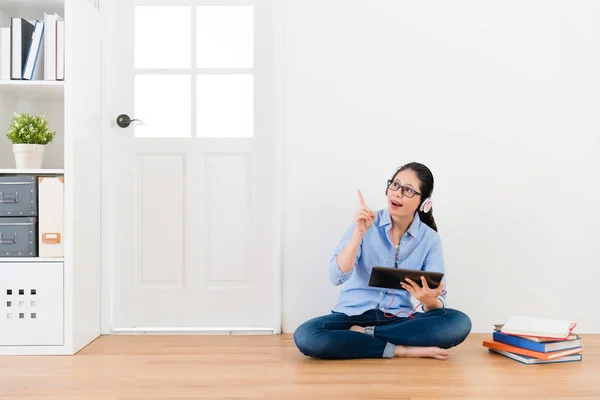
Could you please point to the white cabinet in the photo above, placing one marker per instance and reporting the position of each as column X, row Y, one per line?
column 32, row 304
column 65, row 277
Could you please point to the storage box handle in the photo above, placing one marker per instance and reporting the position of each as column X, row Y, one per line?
column 4, row 238
column 51, row 238
column 9, row 197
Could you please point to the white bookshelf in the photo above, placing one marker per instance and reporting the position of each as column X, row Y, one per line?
column 32, row 4
column 31, row 259
column 33, row 89
column 12, row 171
column 69, row 286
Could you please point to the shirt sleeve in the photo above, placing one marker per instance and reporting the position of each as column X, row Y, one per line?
column 434, row 262
column 336, row 276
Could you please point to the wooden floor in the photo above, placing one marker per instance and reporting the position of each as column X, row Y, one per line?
column 258, row 367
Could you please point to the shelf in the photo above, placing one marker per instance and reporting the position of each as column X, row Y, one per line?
column 33, row 89
column 31, row 3
column 32, row 171
column 18, row 6
column 29, row 259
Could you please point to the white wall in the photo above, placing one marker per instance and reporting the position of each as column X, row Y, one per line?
column 500, row 99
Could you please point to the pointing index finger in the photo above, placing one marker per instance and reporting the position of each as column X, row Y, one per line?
column 361, row 199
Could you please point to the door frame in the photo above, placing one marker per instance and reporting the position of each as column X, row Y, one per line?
column 278, row 13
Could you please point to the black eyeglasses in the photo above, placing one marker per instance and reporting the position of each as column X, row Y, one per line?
column 406, row 191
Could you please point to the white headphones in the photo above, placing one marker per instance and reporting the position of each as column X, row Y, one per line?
column 426, row 206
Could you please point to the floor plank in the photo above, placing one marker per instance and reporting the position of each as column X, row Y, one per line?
column 258, row 367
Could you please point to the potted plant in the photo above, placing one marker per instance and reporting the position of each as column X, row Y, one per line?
column 29, row 135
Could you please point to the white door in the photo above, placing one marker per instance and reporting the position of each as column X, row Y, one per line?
column 191, row 187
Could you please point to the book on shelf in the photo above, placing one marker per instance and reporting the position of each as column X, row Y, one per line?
column 54, row 66
column 21, row 32
column 33, row 67
column 5, row 58
column 532, row 340
column 32, row 49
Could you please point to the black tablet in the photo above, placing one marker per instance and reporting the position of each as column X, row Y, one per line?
column 390, row 278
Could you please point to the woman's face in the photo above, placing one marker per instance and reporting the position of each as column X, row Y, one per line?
column 404, row 185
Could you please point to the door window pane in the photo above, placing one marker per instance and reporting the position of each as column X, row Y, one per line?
column 164, row 104
column 225, row 37
column 224, row 106
column 162, row 37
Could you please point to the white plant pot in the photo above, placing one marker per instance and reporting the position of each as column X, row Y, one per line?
column 29, row 156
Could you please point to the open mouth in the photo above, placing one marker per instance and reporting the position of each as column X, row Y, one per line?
column 395, row 204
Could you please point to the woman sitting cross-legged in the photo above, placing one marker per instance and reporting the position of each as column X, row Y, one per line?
column 371, row 322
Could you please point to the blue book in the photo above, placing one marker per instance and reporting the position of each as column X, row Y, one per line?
column 34, row 55
column 543, row 347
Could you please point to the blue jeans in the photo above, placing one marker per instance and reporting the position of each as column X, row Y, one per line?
column 329, row 336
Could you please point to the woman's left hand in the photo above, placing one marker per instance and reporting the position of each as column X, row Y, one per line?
column 426, row 295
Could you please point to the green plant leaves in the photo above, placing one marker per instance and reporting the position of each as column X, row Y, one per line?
column 29, row 129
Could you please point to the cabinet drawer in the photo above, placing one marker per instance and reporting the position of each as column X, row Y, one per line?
column 18, row 196
column 18, row 237
column 50, row 217
column 31, row 308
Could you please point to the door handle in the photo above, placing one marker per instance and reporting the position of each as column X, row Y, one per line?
column 124, row 121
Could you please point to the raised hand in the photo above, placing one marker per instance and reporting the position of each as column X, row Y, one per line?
column 364, row 216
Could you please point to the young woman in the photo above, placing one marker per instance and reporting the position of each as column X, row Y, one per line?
column 370, row 322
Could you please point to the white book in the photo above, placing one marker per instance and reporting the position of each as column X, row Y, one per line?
column 34, row 63
column 60, row 50
column 538, row 327
column 50, row 45
column 5, row 53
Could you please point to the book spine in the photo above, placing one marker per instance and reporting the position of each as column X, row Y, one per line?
column 519, row 342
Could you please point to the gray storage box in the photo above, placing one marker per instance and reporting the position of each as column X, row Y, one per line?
column 18, row 237
column 18, row 196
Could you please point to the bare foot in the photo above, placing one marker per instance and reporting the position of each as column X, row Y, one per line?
column 357, row 328
column 431, row 352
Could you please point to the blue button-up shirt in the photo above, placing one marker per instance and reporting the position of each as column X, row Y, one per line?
column 420, row 249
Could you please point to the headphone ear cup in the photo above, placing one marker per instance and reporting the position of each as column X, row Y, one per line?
column 426, row 206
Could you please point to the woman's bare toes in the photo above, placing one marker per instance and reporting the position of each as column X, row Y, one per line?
column 425, row 352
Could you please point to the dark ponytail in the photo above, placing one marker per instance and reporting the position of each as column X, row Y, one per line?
column 428, row 220
column 426, row 178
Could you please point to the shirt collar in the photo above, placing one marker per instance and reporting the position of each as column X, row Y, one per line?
column 414, row 228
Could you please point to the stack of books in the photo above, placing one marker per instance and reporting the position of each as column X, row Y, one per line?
column 536, row 340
